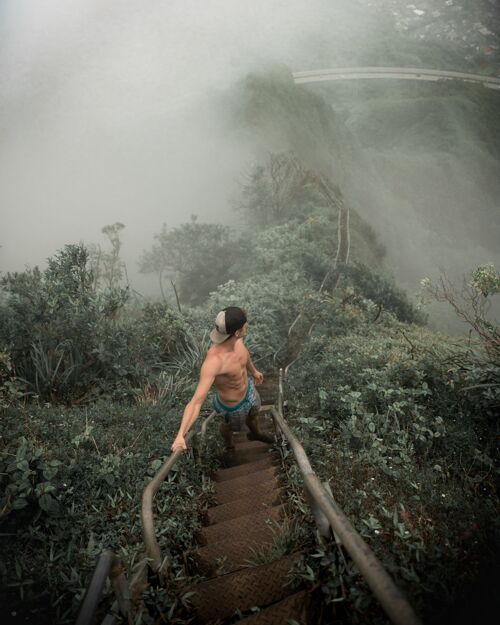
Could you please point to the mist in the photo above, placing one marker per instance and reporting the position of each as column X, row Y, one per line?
column 115, row 112
column 108, row 114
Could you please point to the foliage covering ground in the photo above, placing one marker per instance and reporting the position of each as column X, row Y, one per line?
column 402, row 422
column 72, row 480
column 406, row 422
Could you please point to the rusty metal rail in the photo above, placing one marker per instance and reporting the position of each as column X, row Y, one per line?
column 383, row 587
column 109, row 565
column 158, row 562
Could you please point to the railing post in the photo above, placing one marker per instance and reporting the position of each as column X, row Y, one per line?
column 277, row 430
column 280, row 392
column 120, row 586
column 196, row 447
column 203, row 432
column 107, row 563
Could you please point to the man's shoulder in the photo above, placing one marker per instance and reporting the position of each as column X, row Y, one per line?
column 212, row 352
column 240, row 344
column 213, row 359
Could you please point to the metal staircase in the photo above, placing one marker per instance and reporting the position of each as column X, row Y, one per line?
column 250, row 502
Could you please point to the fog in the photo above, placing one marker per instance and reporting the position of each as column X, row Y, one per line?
column 111, row 111
column 108, row 114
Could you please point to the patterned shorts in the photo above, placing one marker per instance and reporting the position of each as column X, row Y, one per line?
column 235, row 415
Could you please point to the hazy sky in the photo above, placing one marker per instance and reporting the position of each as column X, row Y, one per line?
column 107, row 112
column 110, row 111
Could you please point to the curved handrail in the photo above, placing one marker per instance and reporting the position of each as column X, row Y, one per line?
column 408, row 73
column 383, row 587
column 153, row 551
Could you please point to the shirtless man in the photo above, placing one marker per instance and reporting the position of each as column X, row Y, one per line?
column 226, row 366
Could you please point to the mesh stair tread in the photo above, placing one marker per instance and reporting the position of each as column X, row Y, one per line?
column 262, row 585
column 250, row 467
column 255, row 500
column 293, row 607
column 241, row 437
column 224, row 556
column 246, row 444
column 242, row 524
column 267, row 397
column 245, row 456
column 267, row 390
column 242, row 487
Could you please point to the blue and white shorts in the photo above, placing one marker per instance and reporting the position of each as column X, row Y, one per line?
column 235, row 415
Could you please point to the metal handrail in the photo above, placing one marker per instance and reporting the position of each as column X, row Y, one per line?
column 383, row 587
column 157, row 562
column 408, row 73
column 108, row 565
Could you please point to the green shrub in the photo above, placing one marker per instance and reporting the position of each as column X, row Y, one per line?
column 389, row 416
column 71, row 483
column 50, row 325
column 383, row 292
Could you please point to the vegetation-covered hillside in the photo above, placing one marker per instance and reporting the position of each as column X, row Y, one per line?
column 401, row 421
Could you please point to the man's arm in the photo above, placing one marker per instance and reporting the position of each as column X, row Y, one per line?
column 209, row 370
column 256, row 375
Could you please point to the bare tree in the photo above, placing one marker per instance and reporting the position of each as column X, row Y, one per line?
column 472, row 303
column 107, row 267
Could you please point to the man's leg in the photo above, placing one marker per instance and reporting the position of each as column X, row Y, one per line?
column 227, row 435
column 252, row 421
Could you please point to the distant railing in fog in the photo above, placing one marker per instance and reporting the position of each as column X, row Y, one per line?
column 398, row 73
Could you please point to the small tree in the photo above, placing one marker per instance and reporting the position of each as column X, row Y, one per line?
column 51, row 321
column 472, row 303
column 277, row 191
column 199, row 257
column 107, row 267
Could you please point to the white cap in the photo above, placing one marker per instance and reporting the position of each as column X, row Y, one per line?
column 227, row 322
column 219, row 333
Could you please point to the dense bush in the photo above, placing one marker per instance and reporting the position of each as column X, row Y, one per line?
column 383, row 292
column 65, row 341
column 70, row 484
column 51, row 325
column 198, row 256
column 406, row 448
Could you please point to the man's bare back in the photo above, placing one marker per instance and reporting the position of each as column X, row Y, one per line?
column 226, row 366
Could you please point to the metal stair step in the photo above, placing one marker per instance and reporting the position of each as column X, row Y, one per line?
column 246, row 444
column 245, row 456
column 268, row 397
column 241, row 437
column 262, row 585
column 245, row 485
column 250, row 467
column 294, row 607
column 240, row 525
column 268, row 391
column 225, row 556
column 256, row 500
